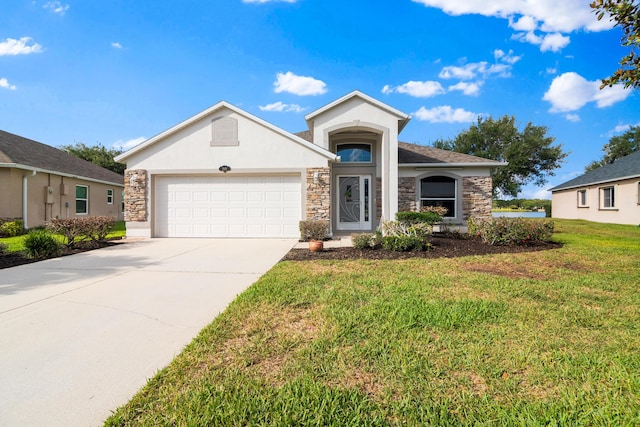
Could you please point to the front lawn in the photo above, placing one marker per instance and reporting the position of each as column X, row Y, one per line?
column 535, row 338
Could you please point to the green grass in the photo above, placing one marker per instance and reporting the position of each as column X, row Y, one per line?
column 16, row 244
column 540, row 338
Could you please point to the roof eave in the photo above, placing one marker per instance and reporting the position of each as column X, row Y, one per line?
column 453, row 165
column 587, row 184
column 68, row 175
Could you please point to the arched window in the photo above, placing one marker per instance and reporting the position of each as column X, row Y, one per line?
column 439, row 191
column 354, row 153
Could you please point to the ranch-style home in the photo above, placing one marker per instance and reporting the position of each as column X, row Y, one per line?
column 40, row 182
column 227, row 173
column 609, row 194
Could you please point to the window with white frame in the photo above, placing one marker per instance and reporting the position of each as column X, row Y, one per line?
column 82, row 199
column 109, row 196
column 582, row 198
column 439, row 191
column 608, row 197
column 354, row 152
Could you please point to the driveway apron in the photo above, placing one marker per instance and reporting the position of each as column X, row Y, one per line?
column 79, row 335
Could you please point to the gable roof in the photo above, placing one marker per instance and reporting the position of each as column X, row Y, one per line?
column 23, row 153
column 220, row 105
column 403, row 118
column 416, row 155
column 624, row 168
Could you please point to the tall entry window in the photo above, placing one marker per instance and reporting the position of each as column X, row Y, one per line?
column 439, row 191
column 354, row 153
column 82, row 199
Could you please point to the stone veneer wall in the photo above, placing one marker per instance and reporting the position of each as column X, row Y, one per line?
column 319, row 194
column 476, row 197
column 407, row 195
column 135, row 195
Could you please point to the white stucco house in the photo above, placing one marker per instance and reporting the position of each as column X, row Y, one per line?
column 227, row 173
column 609, row 194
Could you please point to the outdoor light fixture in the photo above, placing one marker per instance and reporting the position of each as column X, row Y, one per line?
column 316, row 177
column 224, row 168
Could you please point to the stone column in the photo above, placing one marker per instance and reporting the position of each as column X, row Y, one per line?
column 407, row 195
column 318, row 193
column 476, row 197
column 135, row 195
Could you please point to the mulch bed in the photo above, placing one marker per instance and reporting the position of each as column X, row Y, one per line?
column 13, row 259
column 442, row 247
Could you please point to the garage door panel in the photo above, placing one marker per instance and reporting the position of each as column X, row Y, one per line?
column 249, row 206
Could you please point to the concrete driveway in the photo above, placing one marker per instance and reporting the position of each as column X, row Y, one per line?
column 79, row 335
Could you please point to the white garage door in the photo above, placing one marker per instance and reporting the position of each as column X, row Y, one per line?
column 229, row 206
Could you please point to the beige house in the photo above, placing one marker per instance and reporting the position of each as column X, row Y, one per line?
column 609, row 194
column 227, row 173
column 39, row 182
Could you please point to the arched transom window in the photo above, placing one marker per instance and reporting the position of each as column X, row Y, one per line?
column 354, row 153
column 439, row 191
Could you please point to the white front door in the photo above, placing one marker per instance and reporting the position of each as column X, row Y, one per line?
column 354, row 202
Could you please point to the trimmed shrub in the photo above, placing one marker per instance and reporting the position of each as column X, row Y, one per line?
column 404, row 243
column 314, row 229
column 74, row 230
column 418, row 217
column 399, row 228
column 41, row 244
column 363, row 240
column 510, row 231
column 12, row 228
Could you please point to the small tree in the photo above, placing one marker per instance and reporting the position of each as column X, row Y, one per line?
column 617, row 147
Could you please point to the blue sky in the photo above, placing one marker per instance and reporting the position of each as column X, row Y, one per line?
column 121, row 71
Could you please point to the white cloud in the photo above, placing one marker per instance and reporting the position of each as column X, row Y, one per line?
column 550, row 70
column 471, row 89
column 116, row 45
column 570, row 92
column 281, row 107
column 529, row 193
column 299, row 85
column 4, row 84
column 126, row 145
column 417, row 89
column 572, row 117
column 445, row 114
column 553, row 42
column 508, row 57
column 56, row 7
column 475, row 69
column 524, row 23
column 23, row 46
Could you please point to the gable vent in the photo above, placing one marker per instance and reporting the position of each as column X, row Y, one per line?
column 224, row 132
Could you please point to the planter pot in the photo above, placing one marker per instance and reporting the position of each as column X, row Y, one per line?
column 316, row 245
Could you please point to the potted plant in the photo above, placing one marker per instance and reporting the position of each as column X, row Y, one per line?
column 314, row 231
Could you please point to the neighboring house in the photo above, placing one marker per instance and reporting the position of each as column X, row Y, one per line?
column 227, row 173
column 610, row 193
column 40, row 182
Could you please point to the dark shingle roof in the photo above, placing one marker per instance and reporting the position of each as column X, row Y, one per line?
column 26, row 152
column 416, row 154
column 624, row 167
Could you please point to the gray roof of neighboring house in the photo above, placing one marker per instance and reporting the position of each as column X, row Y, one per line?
column 409, row 154
column 623, row 168
column 21, row 152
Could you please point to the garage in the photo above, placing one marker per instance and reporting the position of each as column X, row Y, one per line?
column 227, row 206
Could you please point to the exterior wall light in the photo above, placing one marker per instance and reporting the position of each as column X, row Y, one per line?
column 224, row 168
column 316, row 177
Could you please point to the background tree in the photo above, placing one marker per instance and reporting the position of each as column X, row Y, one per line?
column 97, row 154
column 530, row 152
column 626, row 15
column 618, row 146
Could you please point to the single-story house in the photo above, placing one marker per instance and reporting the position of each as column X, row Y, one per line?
column 610, row 194
column 40, row 182
column 227, row 173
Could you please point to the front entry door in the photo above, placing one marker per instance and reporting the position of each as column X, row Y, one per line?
column 354, row 202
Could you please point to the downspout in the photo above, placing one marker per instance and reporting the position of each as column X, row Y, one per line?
column 25, row 194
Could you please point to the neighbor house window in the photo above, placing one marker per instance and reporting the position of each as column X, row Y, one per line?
column 582, row 198
column 439, row 191
column 82, row 199
column 109, row 196
column 608, row 197
column 354, row 153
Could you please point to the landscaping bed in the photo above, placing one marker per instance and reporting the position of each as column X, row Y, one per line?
column 442, row 247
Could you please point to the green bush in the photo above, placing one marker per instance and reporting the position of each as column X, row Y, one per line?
column 12, row 228
column 41, row 244
column 400, row 228
column 418, row 217
column 74, row 230
column 363, row 240
column 404, row 243
column 3, row 248
column 510, row 231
